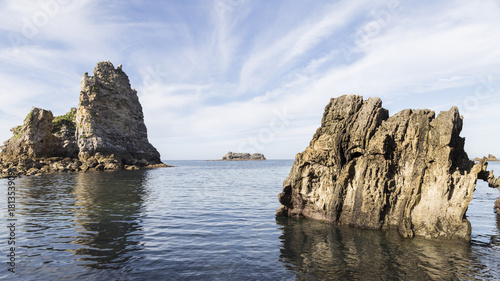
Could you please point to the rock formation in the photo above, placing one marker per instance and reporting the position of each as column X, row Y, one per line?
column 489, row 158
column 230, row 156
column 365, row 169
column 492, row 181
column 105, row 132
column 110, row 119
column 490, row 178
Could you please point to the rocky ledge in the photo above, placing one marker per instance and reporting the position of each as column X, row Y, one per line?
column 230, row 156
column 105, row 132
column 407, row 172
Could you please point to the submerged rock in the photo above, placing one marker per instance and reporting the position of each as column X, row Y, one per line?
column 230, row 156
column 365, row 169
column 105, row 132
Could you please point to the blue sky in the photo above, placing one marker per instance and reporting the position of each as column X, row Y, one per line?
column 255, row 76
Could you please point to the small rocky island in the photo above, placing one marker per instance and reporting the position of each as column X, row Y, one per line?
column 105, row 132
column 230, row 156
column 490, row 158
column 407, row 172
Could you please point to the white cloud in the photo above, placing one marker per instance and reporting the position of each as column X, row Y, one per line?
column 211, row 77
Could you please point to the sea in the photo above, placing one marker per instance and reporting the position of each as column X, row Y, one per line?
column 214, row 220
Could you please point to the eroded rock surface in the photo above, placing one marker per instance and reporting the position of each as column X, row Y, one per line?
column 365, row 169
column 105, row 132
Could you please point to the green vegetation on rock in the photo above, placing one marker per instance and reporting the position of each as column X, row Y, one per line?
column 68, row 119
column 28, row 118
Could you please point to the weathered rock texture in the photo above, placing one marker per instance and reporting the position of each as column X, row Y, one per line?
column 110, row 119
column 365, row 169
column 230, row 156
column 105, row 132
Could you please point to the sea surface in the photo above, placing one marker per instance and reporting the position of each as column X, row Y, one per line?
column 214, row 220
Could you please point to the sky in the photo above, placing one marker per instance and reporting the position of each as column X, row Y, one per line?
column 255, row 76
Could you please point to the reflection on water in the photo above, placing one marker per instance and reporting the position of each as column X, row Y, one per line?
column 215, row 221
column 108, row 215
column 95, row 215
column 319, row 251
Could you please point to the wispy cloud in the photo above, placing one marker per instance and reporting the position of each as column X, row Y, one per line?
column 211, row 75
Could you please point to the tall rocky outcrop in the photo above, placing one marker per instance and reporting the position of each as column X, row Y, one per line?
column 368, row 170
column 105, row 132
column 110, row 121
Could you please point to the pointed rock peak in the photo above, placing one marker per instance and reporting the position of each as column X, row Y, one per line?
column 105, row 72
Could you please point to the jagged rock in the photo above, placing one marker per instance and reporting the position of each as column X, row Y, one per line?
column 489, row 177
column 365, row 169
column 230, row 156
column 497, row 206
column 106, row 132
column 110, row 120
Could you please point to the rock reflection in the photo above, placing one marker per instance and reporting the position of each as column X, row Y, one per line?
column 314, row 250
column 108, row 215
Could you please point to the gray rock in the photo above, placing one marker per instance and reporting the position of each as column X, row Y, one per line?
column 109, row 118
column 257, row 156
column 365, row 169
column 34, row 139
column 230, row 156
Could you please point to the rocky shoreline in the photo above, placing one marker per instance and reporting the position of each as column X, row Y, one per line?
column 105, row 132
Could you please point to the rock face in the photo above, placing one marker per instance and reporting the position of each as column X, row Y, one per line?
column 110, row 121
column 365, row 169
column 230, row 156
column 34, row 138
column 105, row 132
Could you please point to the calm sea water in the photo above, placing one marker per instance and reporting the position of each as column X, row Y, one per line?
column 215, row 221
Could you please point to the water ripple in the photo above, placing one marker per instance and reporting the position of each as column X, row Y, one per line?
column 215, row 221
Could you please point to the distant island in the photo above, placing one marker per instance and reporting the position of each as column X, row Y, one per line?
column 489, row 158
column 105, row 132
column 230, row 156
